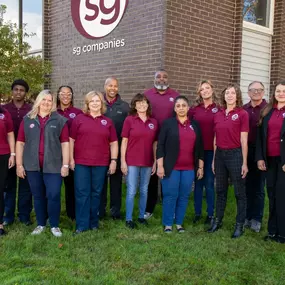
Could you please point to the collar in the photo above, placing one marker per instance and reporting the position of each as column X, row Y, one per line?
column 275, row 107
column 110, row 103
column 186, row 123
column 66, row 109
column 261, row 105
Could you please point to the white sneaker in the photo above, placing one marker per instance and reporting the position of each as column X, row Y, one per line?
column 38, row 230
column 147, row 215
column 56, row 232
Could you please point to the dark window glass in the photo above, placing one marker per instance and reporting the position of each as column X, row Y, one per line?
column 257, row 12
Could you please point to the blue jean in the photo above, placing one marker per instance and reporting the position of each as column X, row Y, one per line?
column 25, row 204
column 208, row 182
column 89, row 182
column 176, row 191
column 46, row 190
column 134, row 173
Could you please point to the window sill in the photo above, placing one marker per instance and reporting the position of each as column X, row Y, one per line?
column 257, row 28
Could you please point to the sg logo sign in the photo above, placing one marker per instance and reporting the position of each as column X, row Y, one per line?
column 95, row 19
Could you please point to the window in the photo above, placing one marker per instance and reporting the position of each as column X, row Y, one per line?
column 257, row 12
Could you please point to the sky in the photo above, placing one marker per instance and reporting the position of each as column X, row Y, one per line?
column 32, row 16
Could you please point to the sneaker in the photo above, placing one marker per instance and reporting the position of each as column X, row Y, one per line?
column 180, row 229
column 255, row 226
column 131, row 225
column 208, row 220
column 56, row 232
column 2, row 232
column 247, row 223
column 147, row 215
column 38, row 230
column 167, row 230
column 196, row 219
column 142, row 221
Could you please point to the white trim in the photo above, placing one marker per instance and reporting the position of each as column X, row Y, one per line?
column 259, row 28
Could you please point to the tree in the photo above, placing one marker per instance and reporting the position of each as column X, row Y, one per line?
column 15, row 61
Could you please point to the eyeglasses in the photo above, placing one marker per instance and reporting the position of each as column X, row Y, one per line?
column 253, row 90
column 65, row 94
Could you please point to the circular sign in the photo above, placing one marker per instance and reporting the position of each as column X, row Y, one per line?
column 96, row 19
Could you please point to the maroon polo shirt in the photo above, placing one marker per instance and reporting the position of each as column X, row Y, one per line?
column 92, row 139
column 70, row 113
column 141, row 136
column 187, row 138
column 254, row 114
column 162, row 104
column 229, row 127
column 17, row 114
column 64, row 136
column 205, row 118
column 274, row 131
column 6, row 126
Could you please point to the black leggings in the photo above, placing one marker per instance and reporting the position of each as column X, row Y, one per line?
column 4, row 158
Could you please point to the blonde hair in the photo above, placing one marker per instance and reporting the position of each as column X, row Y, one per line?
column 35, row 110
column 199, row 99
column 88, row 99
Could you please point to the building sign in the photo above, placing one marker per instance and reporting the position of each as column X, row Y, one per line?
column 95, row 19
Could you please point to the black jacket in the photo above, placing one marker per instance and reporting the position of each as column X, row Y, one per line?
column 168, row 144
column 261, row 140
column 118, row 113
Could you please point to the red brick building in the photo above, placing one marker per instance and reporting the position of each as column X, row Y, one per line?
column 224, row 41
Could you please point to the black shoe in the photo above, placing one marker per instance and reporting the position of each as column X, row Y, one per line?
column 239, row 230
column 196, row 219
column 116, row 218
column 77, row 232
column 94, row 229
column 142, row 221
column 215, row 225
column 280, row 239
column 208, row 220
column 26, row 223
column 270, row 237
column 131, row 225
column 2, row 232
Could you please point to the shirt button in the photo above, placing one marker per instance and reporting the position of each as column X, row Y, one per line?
column 281, row 140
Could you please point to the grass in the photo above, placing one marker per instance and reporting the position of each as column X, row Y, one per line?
column 117, row 255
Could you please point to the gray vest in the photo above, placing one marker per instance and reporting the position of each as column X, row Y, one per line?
column 52, row 144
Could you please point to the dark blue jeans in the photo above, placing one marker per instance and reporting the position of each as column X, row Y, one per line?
column 46, row 189
column 255, row 194
column 176, row 191
column 89, row 182
column 25, row 204
column 208, row 182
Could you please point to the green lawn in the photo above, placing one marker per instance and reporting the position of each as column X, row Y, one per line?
column 116, row 255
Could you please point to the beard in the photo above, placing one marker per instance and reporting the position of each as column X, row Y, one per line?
column 161, row 87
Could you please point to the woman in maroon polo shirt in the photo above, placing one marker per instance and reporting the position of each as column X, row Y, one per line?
column 270, row 156
column 138, row 163
column 231, row 125
column 7, row 156
column 93, row 150
column 65, row 108
column 180, row 156
column 43, row 155
column 203, row 112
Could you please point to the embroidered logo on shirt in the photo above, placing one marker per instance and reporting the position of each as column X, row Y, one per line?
column 53, row 126
column 104, row 122
column 214, row 110
column 119, row 112
column 234, row 117
column 32, row 126
column 191, row 127
column 72, row 115
column 283, row 115
column 2, row 116
column 151, row 126
column 171, row 99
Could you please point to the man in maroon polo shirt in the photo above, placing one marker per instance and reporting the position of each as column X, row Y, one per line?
column 161, row 98
column 255, row 179
column 18, row 108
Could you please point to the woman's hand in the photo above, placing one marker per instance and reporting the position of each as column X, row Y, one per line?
column 213, row 166
column 200, row 173
column 261, row 165
column 112, row 167
column 160, row 172
column 21, row 171
column 283, row 167
column 72, row 164
column 64, row 171
column 11, row 161
column 124, row 167
column 153, row 170
column 244, row 170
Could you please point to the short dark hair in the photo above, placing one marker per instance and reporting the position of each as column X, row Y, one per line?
column 20, row 82
column 182, row 97
column 58, row 91
column 138, row 98
column 238, row 94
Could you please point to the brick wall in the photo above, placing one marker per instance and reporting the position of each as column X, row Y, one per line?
column 134, row 64
column 278, row 44
column 203, row 41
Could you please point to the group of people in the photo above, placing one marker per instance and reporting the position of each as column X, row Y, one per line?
column 157, row 140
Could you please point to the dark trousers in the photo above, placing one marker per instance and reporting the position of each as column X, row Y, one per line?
column 228, row 163
column 25, row 204
column 4, row 158
column 115, row 194
column 69, row 195
column 89, row 181
column 46, row 189
column 255, row 181
column 152, row 194
column 275, row 182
